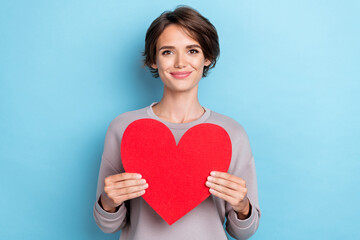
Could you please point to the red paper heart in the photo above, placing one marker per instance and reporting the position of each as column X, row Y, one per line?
column 176, row 174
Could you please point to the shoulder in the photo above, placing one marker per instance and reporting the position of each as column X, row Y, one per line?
column 241, row 149
column 235, row 130
column 119, row 123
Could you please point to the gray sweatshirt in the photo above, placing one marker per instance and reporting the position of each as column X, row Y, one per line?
column 138, row 220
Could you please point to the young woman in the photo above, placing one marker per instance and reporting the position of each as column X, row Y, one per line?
column 180, row 47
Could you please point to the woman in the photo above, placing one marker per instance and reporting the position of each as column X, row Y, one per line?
column 180, row 47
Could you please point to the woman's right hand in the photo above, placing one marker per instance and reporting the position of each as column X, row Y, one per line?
column 121, row 187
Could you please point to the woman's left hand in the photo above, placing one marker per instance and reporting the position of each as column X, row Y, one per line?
column 231, row 189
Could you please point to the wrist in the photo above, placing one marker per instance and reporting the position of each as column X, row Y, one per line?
column 244, row 213
column 107, row 207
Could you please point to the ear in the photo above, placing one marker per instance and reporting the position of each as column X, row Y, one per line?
column 207, row 62
column 154, row 66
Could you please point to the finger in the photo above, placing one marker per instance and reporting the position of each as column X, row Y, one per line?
column 122, row 177
column 224, row 182
column 233, row 200
column 128, row 190
column 125, row 184
column 125, row 176
column 223, row 196
column 224, row 190
column 228, row 176
column 123, row 198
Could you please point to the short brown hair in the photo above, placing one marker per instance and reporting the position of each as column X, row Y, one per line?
column 198, row 26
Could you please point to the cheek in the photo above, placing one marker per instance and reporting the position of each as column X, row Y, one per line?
column 163, row 64
column 199, row 63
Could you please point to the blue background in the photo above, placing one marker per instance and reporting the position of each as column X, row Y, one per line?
column 288, row 72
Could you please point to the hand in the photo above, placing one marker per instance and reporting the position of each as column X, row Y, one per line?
column 121, row 187
column 231, row 189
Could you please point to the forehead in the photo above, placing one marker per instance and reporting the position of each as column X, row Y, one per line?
column 175, row 35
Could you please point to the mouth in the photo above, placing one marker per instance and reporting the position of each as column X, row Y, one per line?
column 180, row 75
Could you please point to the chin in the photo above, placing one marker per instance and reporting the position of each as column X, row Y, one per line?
column 181, row 88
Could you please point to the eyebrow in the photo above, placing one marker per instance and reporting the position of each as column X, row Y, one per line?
column 188, row 46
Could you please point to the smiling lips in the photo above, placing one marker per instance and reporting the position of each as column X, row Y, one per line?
column 180, row 75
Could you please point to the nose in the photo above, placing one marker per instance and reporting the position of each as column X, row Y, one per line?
column 180, row 61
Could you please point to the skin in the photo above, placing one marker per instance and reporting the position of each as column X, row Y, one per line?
column 179, row 104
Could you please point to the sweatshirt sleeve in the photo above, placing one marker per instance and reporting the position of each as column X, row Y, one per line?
column 109, row 222
column 244, row 167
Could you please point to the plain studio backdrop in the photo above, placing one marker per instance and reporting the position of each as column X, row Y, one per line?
column 288, row 72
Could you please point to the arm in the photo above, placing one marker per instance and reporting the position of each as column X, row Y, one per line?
column 237, row 225
column 115, row 186
column 110, row 165
column 107, row 221
column 238, row 188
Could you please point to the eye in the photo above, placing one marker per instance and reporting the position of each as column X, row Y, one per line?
column 193, row 51
column 166, row 52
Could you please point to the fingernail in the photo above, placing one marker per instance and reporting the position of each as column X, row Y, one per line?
column 210, row 178
column 212, row 173
column 143, row 181
column 138, row 176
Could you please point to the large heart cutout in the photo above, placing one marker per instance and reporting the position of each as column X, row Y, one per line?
column 176, row 174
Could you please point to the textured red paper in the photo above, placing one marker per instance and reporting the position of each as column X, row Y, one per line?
column 176, row 174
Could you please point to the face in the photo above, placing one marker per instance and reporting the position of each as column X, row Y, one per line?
column 179, row 60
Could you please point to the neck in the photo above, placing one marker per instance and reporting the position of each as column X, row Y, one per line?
column 179, row 107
